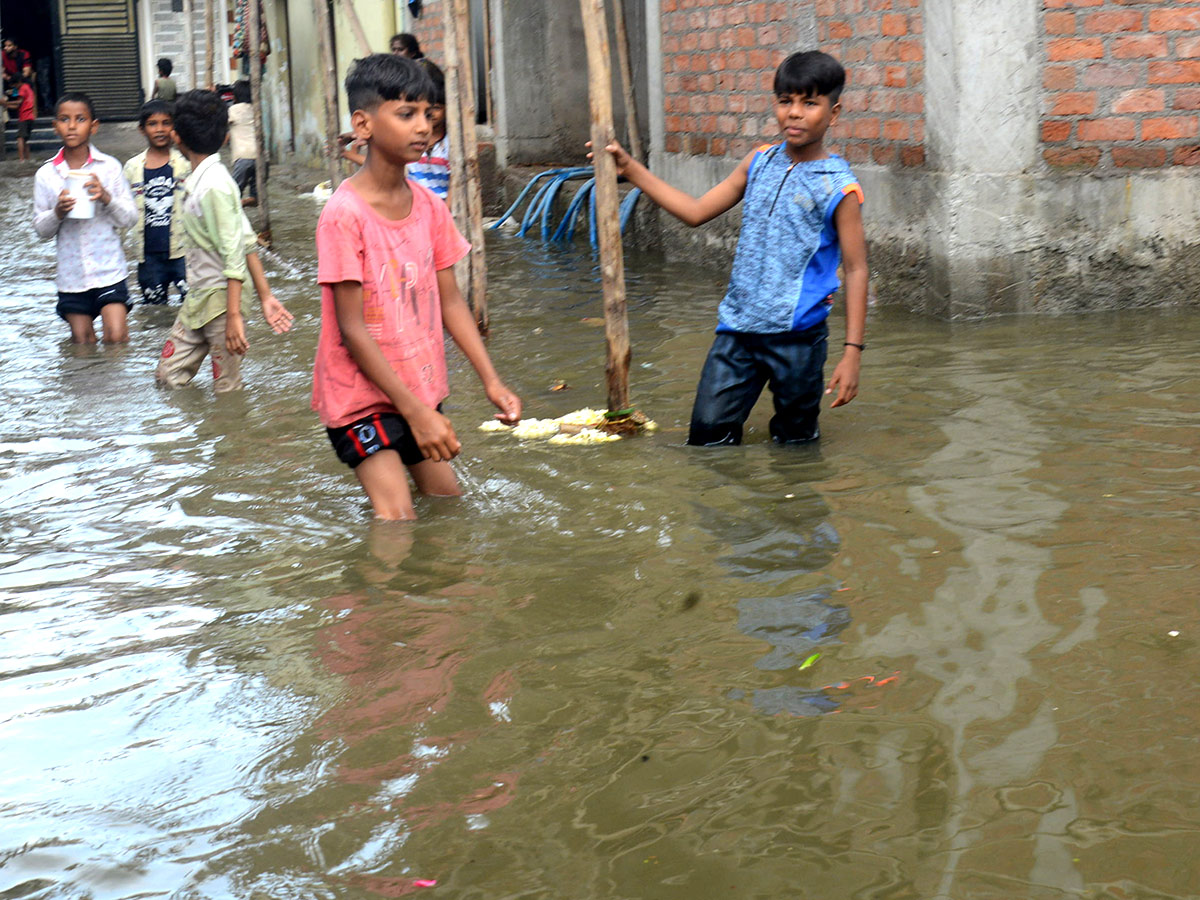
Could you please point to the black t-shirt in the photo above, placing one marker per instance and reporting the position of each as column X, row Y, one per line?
column 159, row 194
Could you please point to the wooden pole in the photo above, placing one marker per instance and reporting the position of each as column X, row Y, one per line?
column 465, row 191
column 632, row 132
column 608, row 220
column 254, row 26
column 209, row 25
column 329, row 82
column 356, row 26
column 189, row 38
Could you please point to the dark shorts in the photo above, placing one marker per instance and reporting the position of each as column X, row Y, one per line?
column 370, row 434
column 740, row 365
column 157, row 273
column 89, row 303
column 25, row 128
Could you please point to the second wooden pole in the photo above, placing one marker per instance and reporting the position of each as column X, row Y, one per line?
column 608, row 218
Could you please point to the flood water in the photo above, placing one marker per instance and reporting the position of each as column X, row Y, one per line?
column 952, row 652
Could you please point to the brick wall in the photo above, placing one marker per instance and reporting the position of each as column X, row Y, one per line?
column 1122, row 83
column 719, row 58
column 883, row 107
column 428, row 30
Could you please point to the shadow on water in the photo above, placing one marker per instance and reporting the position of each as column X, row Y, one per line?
column 948, row 653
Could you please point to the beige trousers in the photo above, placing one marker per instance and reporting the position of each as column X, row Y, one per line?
column 185, row 350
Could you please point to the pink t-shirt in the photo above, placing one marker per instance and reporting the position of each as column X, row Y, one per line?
column 397, row 263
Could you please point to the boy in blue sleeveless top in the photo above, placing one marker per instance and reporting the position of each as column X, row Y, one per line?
column 802, row 217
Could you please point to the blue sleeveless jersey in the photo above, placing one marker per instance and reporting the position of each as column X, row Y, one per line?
column 785, row 267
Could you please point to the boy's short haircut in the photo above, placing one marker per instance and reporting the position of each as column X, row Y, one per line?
column 811, row 73
column 439, row 81
column 381, row 77
column 241, row 91
column 154, row 108
column 164, row 67
column 76, row 97
column 201, row 120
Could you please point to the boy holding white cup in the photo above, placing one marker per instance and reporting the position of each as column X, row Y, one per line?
column 91, row 262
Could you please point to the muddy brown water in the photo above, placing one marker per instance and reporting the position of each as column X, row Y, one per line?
column 949, row 653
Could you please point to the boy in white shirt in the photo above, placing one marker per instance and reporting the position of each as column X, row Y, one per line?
column 243, row 149
column 91, row 262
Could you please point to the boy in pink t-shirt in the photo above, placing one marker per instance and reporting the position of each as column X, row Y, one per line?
column 386, row 248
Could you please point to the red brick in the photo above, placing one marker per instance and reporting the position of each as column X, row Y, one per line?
column 1187, row 47
column 1060, row 4
column 866, row 26
column 1075, row 48
column 1139, row 157
column 911, row 103
column 1187, row 98
column 1175, row 20
column 1108, row 22
column 895, row 76
column 1184, row 72
column 1072, row 157
column 867, row 129
column 1058, row 78
column 896, row 130
column 912, row 51
column 1075, row 103
column 894, row 25
column 1170, row 129
column 1060, row 23
column 1139, row 47
column 884, row 154
column 1186, row 156
column 912, row 157
column 1054, row 132
column 1108, row 129
column 673, row 143
column 885, row 51
column 1111, row 75
column 1141, row 100
column 840, row 30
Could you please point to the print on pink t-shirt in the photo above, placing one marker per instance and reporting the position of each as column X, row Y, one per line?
column 396, row 261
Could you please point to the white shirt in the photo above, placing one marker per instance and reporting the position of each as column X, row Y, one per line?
column 241, row 132
column 89, row 250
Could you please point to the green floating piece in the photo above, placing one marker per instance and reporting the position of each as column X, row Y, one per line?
column 619, row 413
column 808, row 662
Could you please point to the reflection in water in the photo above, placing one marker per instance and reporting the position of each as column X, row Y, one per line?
column 599, row 673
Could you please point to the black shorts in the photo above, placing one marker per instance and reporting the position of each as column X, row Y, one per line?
column 25, row 128
column 89, row 303
column 158, row 272
column 370, row 434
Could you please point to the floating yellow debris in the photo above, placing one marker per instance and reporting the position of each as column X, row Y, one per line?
column 575, row 428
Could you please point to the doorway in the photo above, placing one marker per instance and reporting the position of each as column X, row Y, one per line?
column 33, row 28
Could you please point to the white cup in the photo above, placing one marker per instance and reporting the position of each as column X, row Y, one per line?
column 85, row 207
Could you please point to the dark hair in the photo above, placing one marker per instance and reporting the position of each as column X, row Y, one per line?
column 438, row 98
column 381, row 77
column 409, row 43
column 76, row 97
column 811, row 73
column 154, row 108
column 164, row 67
column 241, row 91
column 201, row 121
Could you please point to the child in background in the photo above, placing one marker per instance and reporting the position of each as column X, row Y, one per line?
column 25, row 106
column 156, row 177
column 386, row 248
column 243, row 149
column 164, row 85
column 796, row 227
column 91, row 263
column 433, row 168
column 221, row 253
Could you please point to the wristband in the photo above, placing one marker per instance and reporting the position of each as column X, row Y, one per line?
column 852, row 344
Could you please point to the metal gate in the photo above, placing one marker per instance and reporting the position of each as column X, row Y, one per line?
column 99, row 54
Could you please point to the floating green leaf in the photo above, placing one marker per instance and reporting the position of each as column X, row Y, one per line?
column 808, row 662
